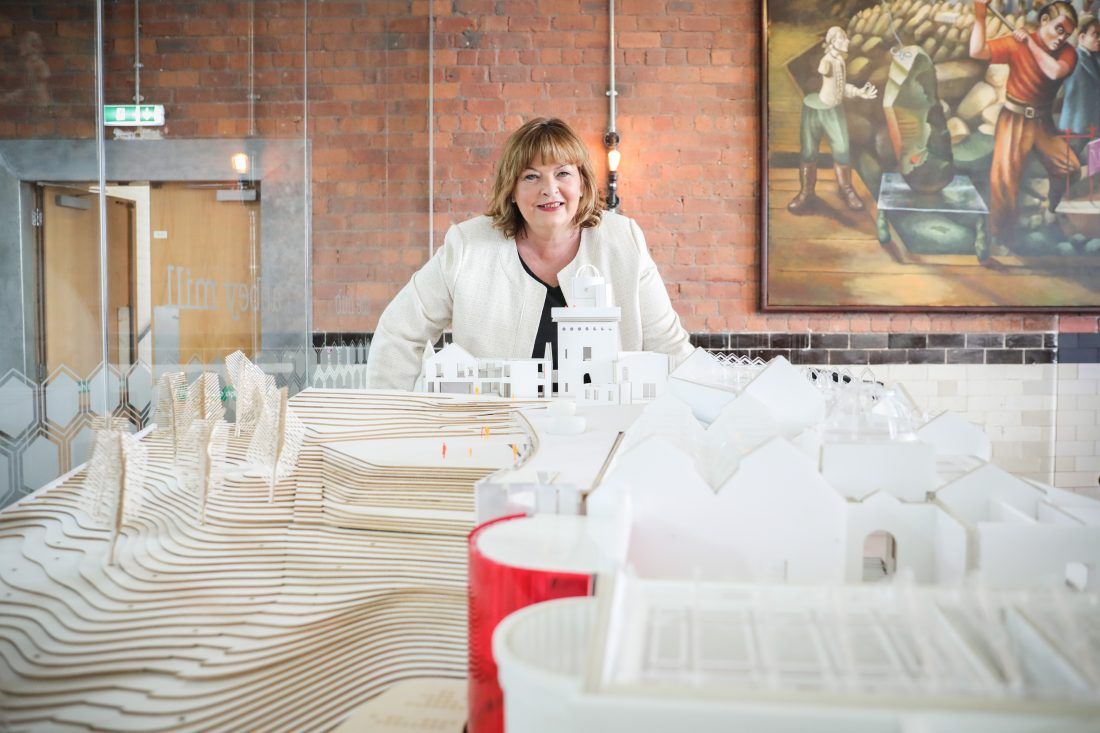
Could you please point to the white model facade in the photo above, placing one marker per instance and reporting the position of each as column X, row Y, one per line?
column 453, row 370
column 591, row 368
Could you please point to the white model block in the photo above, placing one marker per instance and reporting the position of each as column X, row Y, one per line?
column 1079, row 506
column 928, row 542
column 451, row 370
column 775, row 518
column 905, row 469
column 970, row 496
column 953, row 435
column 644, row 374
column 667, row 417
column 703, row 367
column 790, row 396
column 590, row 289
column 1016, row 555
column 655, row 512
column 790, row 524
column 704, row 384
column 525, row 378
column 588, row 344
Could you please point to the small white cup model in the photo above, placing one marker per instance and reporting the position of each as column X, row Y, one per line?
column 541, row 652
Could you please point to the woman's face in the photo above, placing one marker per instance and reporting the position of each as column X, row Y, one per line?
column 548, row 196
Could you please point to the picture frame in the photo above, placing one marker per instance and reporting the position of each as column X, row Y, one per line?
column 900, row 216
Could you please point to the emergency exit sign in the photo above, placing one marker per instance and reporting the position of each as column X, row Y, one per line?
column 133, row 115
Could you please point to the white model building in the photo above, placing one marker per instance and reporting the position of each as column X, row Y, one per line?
column 588, row 337
column 591, row 368
column 453, row 370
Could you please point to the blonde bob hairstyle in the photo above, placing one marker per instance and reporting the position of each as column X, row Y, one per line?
column 542, row 141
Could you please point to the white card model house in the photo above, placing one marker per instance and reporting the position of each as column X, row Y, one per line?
column 638, row 376
column 953, row 435
column 774, row 519
column 704, row 383
column 453, row 370
column 591, row 368
column 588, row 335
column 1018, row 535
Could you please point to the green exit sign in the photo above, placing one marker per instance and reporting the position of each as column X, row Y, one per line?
column 133, row 115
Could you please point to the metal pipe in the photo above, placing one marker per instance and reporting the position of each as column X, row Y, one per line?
column 431, row 130
column 252, row 68
column 101, row 178
column 137, row 51
column 307, row 245
column 611, row 93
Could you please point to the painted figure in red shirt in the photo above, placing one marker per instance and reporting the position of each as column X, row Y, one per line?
column 1038, row 62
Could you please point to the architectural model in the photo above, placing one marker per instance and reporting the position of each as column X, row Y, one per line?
column 232, row 607
column 591, row 368
column 276, row 575
column 453, row 370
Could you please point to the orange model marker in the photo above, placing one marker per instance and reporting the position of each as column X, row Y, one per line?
column 444, row 449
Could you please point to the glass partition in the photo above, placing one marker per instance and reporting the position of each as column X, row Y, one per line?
column 193, row 197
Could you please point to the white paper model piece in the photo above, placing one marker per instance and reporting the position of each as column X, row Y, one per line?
column 205, row 397
column 952, row 435
column 114, row 480
column 637, row 376
column 900, row 503
column 453, row 370
column 251, row 385
column 650, row 655
column 591, row 368
column 704, row 383
column 276, row 440
column 775, row 519
column 175, row 411
column 1018, row 534
column 203, row 458
column 588, row 335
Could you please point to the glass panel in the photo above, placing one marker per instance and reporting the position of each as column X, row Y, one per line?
column 50, row 331
column 205, row 215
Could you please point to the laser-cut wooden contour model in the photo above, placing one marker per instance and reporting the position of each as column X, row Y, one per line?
column 273, row 577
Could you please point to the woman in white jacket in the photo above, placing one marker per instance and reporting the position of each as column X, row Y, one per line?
column 496, row 277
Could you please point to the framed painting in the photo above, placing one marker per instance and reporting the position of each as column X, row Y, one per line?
column 915, row 159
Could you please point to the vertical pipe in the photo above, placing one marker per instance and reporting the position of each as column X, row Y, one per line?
column 431, row 130
column 611, row 93
column 252, row 67
column 307, row 245
column 137, row 51
column 101, row 178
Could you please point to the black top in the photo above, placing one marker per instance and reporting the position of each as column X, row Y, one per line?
column 547, row 333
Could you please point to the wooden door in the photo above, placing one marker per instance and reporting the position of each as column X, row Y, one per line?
column 205, row 263
column 69, row 266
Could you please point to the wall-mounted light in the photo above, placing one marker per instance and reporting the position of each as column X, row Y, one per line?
column 611, row 141
column 240, row 163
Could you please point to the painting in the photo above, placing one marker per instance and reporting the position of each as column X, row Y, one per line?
column 930, row 155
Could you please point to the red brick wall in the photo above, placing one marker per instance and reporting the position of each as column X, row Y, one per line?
column 688, row 77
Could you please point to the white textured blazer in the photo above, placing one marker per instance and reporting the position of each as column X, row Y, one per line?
column 476, row 285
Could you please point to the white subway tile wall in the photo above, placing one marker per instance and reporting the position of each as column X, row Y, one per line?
column 1043, row 419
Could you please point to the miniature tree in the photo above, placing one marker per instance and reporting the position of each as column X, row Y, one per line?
column 204, row 396
column 251, row 385
column 175, row 409
column 277, row 439
column 116, row 474
column 205, row 458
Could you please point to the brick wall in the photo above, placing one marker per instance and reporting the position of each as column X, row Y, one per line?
column 688, row 76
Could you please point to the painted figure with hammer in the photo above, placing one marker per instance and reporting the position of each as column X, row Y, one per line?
column 1038, row 61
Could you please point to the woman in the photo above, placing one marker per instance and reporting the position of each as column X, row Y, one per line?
column 496, row 277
